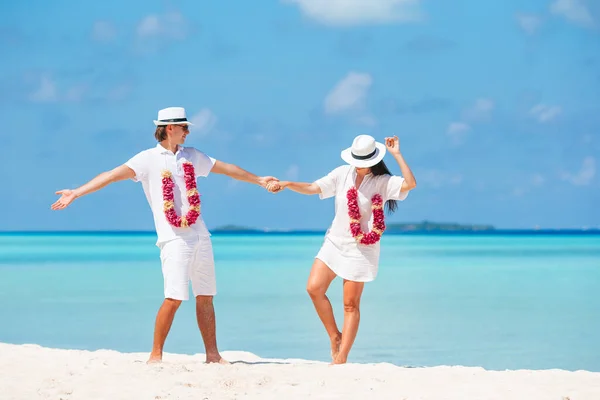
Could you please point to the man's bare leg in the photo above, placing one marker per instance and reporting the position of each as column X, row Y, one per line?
column 205, row 314
column 164, row 320
column 352, row 294
column 318, row 282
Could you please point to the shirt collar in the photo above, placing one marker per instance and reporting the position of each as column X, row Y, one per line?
column 163, row 150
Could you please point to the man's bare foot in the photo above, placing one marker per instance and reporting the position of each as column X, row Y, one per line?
column 217, row 360
column 335, row 345
column 154, row 359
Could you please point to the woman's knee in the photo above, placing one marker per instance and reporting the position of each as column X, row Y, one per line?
column 314, row 290
column 351, row 305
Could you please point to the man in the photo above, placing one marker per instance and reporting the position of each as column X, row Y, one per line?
column 168, row 175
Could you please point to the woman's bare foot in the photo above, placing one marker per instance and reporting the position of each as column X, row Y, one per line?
column 335, row 345
column 339, row 360
column 154, row 359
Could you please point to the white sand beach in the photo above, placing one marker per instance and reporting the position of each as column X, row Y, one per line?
column 34, row 372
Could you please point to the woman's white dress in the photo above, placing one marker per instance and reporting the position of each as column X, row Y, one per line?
column 340, row 251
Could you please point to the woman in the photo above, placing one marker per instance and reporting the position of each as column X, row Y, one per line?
column 351, row 246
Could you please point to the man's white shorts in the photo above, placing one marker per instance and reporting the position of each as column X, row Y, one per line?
column 188, row 259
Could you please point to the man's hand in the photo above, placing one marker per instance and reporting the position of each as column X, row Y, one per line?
column 66, row 198
column 393, row 144
column 264, row 181
column 117, row 174
column 276, row 186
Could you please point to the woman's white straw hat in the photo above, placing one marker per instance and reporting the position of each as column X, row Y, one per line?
column 365, row 152
column 172, row 116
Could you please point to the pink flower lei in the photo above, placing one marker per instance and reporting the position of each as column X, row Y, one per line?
column 192, row 194
column 378, row 218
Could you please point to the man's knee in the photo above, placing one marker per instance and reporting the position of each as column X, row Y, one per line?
column 204, row 300
column 172, row 303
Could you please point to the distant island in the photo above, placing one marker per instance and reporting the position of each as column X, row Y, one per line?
column 236, row 228
column 425, row 226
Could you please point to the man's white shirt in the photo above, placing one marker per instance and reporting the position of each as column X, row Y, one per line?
column 148, row 166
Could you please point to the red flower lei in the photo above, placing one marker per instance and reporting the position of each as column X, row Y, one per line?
column 192, row 194
column 378, row 218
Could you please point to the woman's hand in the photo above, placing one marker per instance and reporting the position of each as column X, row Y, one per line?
column 276, row 186
column 393, row 144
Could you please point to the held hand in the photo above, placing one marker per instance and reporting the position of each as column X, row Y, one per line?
column 392, row 144
column 276, row 186
column 66, row 198
column 263, row 181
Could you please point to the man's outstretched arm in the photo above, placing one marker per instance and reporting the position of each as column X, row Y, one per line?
column 67, row 195
column 235, row 172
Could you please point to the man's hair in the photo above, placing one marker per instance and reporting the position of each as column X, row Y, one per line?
column 161, row 133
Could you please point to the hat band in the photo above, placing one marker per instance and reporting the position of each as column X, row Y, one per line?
column 364, row 157
column 173, row 120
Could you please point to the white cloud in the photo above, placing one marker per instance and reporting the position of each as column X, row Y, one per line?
column 544, row 113
column 203, row 121
column 76, row 93
column 119, row 91
column 170, row 25
column 480, row 110
column 349, row 97
column 349, row 94
column 518, row 191
column 47, row 89
column 538, row 180
column 104, row 31
column 292, row 173
column 436, row 178
column 46, row 92
column 575, row 11
column 367, row 120
column 359, row 12
column 457, row 127
column 458, row 131
column 585, row 175
column 530, row 23
column 149, row 26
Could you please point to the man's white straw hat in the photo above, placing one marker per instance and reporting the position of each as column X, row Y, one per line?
column 172, row 116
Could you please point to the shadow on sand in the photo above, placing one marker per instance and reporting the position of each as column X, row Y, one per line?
column 259, row 362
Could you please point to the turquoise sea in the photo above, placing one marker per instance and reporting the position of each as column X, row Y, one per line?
column 496, row 301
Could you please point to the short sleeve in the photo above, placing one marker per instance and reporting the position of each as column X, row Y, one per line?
column 328, row 183
column 139, row 165
column 391, row 186
column 203, row 164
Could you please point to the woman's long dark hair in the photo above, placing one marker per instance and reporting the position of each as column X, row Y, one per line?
column 381, row 169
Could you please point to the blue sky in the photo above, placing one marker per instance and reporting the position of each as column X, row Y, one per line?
column 496, row 104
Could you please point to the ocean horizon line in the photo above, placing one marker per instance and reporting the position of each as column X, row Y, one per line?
column 265, row 232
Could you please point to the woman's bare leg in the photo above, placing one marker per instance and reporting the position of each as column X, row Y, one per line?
column 318, row 282
column 352, row 294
